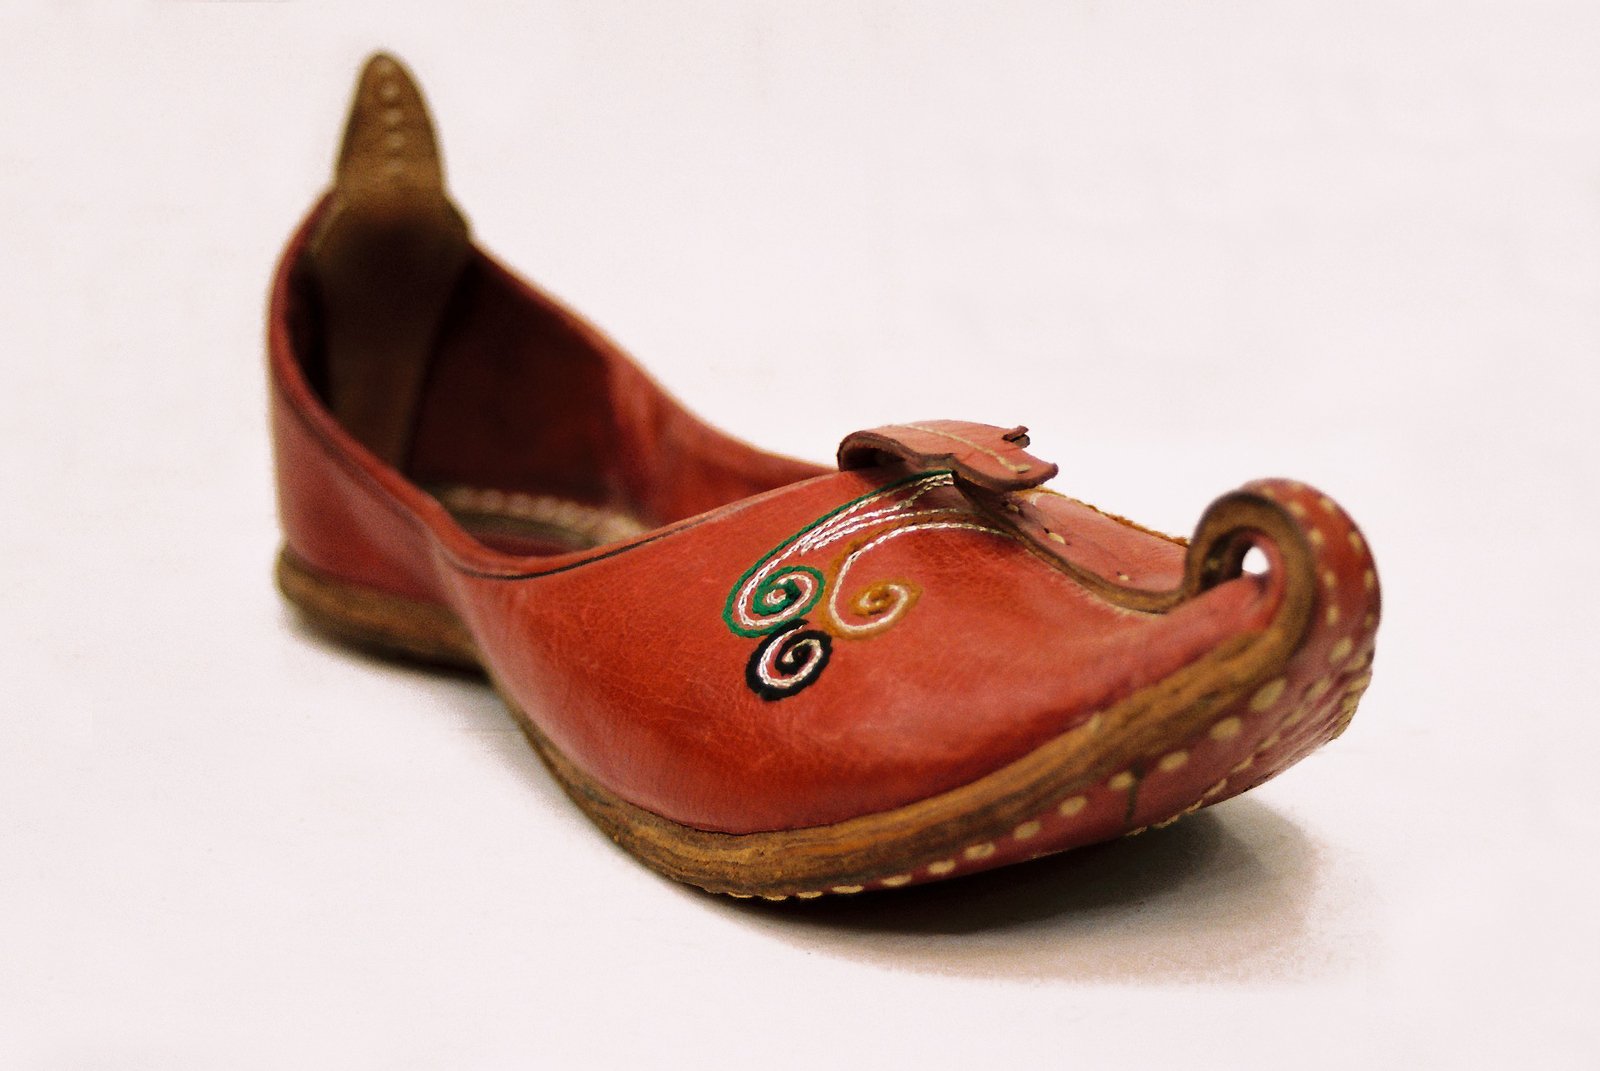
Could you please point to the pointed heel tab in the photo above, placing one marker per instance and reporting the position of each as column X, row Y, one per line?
column 389, row 138
column 387, row 254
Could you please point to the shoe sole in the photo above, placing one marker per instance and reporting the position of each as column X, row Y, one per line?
column 1251, row 708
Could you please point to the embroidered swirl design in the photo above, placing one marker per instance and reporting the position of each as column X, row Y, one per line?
column 787, row 660
column 774, row 597
column 769, row 600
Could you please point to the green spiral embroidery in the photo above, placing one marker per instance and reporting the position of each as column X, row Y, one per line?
column 757, row 607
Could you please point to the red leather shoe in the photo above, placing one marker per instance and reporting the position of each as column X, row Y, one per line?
column 758, row 675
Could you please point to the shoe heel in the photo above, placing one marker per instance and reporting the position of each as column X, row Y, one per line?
column 376, row 621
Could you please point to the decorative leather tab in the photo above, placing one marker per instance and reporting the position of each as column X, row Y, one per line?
column 979, row 454
column 386, row 256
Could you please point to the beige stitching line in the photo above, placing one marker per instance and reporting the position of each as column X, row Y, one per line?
column 1019, row 469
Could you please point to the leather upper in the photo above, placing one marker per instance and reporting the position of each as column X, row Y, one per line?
column 781, row 645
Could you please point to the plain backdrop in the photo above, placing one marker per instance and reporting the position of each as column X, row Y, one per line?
column 1187, row 243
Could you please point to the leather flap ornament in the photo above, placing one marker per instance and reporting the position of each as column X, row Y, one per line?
column 983, row 455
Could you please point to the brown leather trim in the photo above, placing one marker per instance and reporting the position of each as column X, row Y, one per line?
column 373, row 620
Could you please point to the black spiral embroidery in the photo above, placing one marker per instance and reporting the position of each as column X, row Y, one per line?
column 787, row 661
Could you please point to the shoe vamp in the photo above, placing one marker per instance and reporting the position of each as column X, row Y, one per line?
column 840, row 648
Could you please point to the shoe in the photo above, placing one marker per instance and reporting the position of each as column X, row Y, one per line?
column 762, row 676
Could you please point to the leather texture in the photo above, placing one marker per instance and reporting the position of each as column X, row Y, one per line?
column 774, row 645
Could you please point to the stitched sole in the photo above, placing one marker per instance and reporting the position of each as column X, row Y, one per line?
column 1227, row 722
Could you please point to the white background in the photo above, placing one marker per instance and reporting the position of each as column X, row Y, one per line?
column 1187, row 243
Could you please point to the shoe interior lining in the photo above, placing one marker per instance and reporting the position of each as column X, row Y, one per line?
column 522, row 398
column 520, row 523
